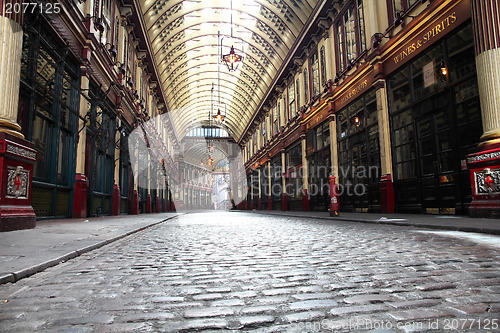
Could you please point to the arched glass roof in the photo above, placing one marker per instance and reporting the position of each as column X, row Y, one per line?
column 184, row 36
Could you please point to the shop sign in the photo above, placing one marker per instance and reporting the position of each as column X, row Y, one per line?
column 293, row 137
column 429, row 74
column 430, row 33
column 355, row 90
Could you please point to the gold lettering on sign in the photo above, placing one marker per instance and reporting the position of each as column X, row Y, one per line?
column 353, row 92
column 427, row 37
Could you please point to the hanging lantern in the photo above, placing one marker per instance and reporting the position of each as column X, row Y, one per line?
column 232, row 60
column 219, row 118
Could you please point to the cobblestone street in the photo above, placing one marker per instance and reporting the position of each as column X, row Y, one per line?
column 245, row 272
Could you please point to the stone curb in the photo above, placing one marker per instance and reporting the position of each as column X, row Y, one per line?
column 398, row 223
column 16, row 276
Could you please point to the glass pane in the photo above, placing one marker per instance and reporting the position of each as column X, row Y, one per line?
column 40, row 139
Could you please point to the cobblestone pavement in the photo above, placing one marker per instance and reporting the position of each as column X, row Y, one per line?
column 221, row 272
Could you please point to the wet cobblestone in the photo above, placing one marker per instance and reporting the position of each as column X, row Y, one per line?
column 218, row 272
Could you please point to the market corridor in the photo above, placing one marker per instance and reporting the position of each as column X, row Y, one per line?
column 237, row 271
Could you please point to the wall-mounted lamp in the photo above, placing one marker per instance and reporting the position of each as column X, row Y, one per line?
column 442, row 71
column 356, row 121
column 377, row 40
column 400, row 16
column 349, row 65
column 99, row 24
column 112, row 50
column 122, row 69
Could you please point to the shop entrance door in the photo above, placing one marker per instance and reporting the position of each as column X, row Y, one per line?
column 437, row 162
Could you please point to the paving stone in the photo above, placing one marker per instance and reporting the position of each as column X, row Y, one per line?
column 148, row 317
column 367, row 299
column 414, row 303
column 436, row 286
column 303, row 316
column 228, row 302
column 199, row 324
column 312, row 304
column 413, row 315
column 259, row 309
column 357, row 309
column 207, row 297
column 310, row 296
column 208, row 312
column 255, row 320
column 243, row 294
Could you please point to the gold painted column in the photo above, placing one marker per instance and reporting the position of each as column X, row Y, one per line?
column 259, row 201
column 484, row 165
column 486, row 21
column 116, row 199
column 305, row 176
column 81, row 187
column 333, row 145
column 284, row 197
column 270, row 187
column 17, row 156
column 384, row 132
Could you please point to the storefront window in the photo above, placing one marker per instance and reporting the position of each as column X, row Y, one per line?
column 294, row 172
column 359, row 153
column 48, row 108
column 435, row 121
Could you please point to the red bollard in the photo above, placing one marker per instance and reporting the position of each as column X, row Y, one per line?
column 334, row 200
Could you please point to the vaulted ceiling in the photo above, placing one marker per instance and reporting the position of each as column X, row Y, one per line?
column 184, row 36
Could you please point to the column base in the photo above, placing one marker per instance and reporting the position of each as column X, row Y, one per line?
column 484, row 167
column 135, row 203
column 16, row 218
column 148, row 204
column 386, row 194
column 305, row 201
column 284, row 203
column 164, row 205
column 115, row 208
column 17, row 157
column 80, row 196
column 157, row 204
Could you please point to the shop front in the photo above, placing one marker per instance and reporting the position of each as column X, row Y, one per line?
column 435, row 121
column 359, row 155
column 318, row 163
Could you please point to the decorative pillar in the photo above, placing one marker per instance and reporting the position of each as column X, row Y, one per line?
column 252, row 190
column 334, row 172
column 484, row 164
column 386, row 185
column 135, row 195
column 270, row 187
column 305, row 175
column 17, row 156
column 115, row 200
column 259, row 201
column 284, row 198
column 81, row 187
